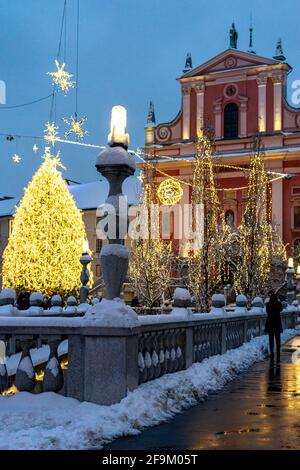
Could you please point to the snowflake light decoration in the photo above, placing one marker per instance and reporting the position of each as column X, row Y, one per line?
column 169, row 192
column 35, row 148
column 76, row 127
column 16, row 158
column 61, row 77
column 51, row 133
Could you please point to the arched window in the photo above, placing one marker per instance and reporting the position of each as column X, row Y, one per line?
column 231, row 121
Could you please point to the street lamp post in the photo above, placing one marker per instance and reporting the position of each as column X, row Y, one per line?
column 115, row 164
column 290, row 272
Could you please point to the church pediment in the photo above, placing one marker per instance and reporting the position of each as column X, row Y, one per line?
column 231, row 59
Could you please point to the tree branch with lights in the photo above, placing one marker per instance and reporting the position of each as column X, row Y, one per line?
column 151, row 257
column 205, row 262
column 259, row 243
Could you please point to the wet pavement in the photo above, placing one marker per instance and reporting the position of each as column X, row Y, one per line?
column 258, row 410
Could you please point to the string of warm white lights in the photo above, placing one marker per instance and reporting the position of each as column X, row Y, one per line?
column 53, row 139
column 224, row 165
column 277, row 177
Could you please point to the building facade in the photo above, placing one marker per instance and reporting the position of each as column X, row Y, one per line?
column 238, row 95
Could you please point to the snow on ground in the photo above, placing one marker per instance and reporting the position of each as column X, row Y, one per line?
column 51, row 421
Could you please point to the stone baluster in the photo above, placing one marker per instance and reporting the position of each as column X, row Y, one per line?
column 56, row 304
column 7, row 302
column 218, row 303
column 3, row 369
column 257, row 305
column 71, row 307
column 182, row 303
column 25, row 376
column 53, row 376
column 241, row 305
column 36, row 304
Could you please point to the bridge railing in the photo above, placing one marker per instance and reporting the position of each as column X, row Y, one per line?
column 102, row 363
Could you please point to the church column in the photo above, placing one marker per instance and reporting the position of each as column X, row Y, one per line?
column 277, row 199
column 199, row 88
column 186, row 107
column 277, row 93
column 243, row 116
column 218, row 118
column 262, row 79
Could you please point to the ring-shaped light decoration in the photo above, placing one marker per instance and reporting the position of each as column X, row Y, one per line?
column 169, row 192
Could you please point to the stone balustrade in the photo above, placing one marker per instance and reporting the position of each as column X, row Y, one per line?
column 105, row 362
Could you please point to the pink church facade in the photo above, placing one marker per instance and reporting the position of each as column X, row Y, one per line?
column 237, row 94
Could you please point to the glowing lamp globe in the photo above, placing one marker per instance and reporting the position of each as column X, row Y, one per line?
column 85, row 247
column 118, row 124
column 290, row 263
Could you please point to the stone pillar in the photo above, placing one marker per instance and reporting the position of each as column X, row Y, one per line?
column 277, row 204
column 186, row 107
column 243, row 117
column 103, row 364
column 199, row 88
column 149, row 135
column 277, row 103
column 218, row 118
column 262, row 101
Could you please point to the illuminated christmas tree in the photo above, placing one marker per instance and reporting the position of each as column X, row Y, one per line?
column 204, row 264
column 259, row 243
column 47, row 236
column 151, row 257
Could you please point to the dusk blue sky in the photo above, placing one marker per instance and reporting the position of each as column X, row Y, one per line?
column 131, row 51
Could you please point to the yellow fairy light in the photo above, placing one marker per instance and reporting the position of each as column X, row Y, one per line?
column 10, row 391
column 16, row 158
column 45, row 245
column 169, row 192
column 61, row 77
column 76, row 126
column 50, row 133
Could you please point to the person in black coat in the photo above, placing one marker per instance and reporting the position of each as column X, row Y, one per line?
column 23, row 300
column 273, row 324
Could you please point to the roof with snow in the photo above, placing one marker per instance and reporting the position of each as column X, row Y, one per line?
column 87, row 196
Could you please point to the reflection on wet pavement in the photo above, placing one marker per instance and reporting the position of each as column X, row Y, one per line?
column 259, row 410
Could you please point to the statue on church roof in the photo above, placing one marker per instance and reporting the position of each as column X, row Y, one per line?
column 188, row 63
column 233, row 35
column 279, row 55
column 151, row 114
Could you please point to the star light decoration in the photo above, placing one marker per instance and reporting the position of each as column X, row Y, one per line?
column 76, row 126
column 61, row 77
column 51, row 133
column 16, row 158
